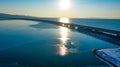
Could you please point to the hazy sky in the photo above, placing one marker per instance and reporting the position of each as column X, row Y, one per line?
column 63, row 8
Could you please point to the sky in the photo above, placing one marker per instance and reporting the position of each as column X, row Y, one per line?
column 63, row 8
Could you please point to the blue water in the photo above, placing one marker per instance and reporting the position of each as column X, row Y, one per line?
column 47, row 45
column 112, row 24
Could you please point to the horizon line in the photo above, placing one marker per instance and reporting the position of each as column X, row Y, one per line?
column 62, row 17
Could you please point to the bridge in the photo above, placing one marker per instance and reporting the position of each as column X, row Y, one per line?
column 111, row 36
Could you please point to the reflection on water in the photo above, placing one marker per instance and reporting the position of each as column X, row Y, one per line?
column 64, row 32
column 64, row 20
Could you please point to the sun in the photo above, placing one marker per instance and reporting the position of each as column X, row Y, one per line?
column 65, row 4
